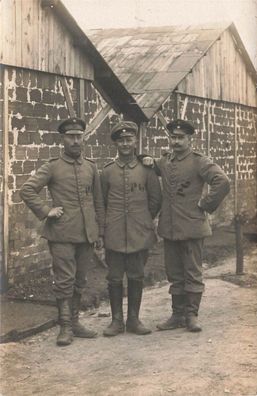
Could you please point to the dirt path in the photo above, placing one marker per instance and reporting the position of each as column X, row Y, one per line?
column 222, row 360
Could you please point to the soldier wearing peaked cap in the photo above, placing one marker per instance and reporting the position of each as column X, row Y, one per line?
column 73, row 224
column 132, row 197
column 183, row 125
column 183, row 222
column 124, row 128
column 73, row 126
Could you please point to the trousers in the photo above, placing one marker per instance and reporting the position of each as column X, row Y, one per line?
column 183, row 264
column 130, row 263
column 70, row 262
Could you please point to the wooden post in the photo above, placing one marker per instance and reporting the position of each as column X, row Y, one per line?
column 99, row 118
column 239, row 246
column 82, row 99
column 184, row 108
column 177, row 104
column 235, row 163
column 238, row 217
column 140, row 137
column 163, row 122
column 208, row 129
column 67, row 96
column 5, row 182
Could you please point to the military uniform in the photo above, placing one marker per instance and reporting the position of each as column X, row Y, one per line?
column 75, row 186
column 132, row 197
column 183, row 219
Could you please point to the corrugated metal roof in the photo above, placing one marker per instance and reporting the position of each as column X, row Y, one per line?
column 151, row 62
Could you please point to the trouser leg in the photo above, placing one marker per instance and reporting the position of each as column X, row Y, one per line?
column 115, row 262
column 69, row 268
column 64, row 268
column 174, row 266
column 83, row 255
column 175, row 274
column 194, row 285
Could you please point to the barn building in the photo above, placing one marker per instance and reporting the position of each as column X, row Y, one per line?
column 50, row 69
column 200, row 73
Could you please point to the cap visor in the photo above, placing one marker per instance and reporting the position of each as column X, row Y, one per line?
column 74, row 132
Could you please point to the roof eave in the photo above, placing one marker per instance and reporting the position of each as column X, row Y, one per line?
column 121, row 99
column 243, row 51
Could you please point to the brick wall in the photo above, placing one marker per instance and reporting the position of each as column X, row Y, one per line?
column 247, row 159
column 99, row 145
column 36, row 106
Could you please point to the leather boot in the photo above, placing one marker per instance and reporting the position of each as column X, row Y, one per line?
column 133, row 325
column 192, row 308
column 65, row 335
column 77, row 328
column 116, row 297
column 177, row 319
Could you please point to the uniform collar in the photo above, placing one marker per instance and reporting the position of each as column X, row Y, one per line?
column 181, row 156
column 71, row 160
column 131, row 164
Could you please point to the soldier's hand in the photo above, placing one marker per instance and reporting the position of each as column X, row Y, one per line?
column 99, row 244
column 148, row 161
column 56, row 212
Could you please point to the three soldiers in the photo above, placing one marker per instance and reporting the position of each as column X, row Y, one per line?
column 131, row 197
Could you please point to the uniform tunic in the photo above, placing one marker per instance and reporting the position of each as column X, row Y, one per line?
column 132, row 197
column 183, row 178
column 74, row 185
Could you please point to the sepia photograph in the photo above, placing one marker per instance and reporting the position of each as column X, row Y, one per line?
column 128, row 197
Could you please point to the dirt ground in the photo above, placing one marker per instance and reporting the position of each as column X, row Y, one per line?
column 221, row 360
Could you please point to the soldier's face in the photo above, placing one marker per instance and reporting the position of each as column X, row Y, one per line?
column 179, row 140
column 73, row 144
column 126, row 145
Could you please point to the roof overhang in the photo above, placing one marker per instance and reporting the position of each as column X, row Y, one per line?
column 111, row 88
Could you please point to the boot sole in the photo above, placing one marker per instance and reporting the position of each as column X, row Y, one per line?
column 113, row 335
column 85, row 336
column 138, row 333
column 170, row 328
column 192, row 330
column 60, row 343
